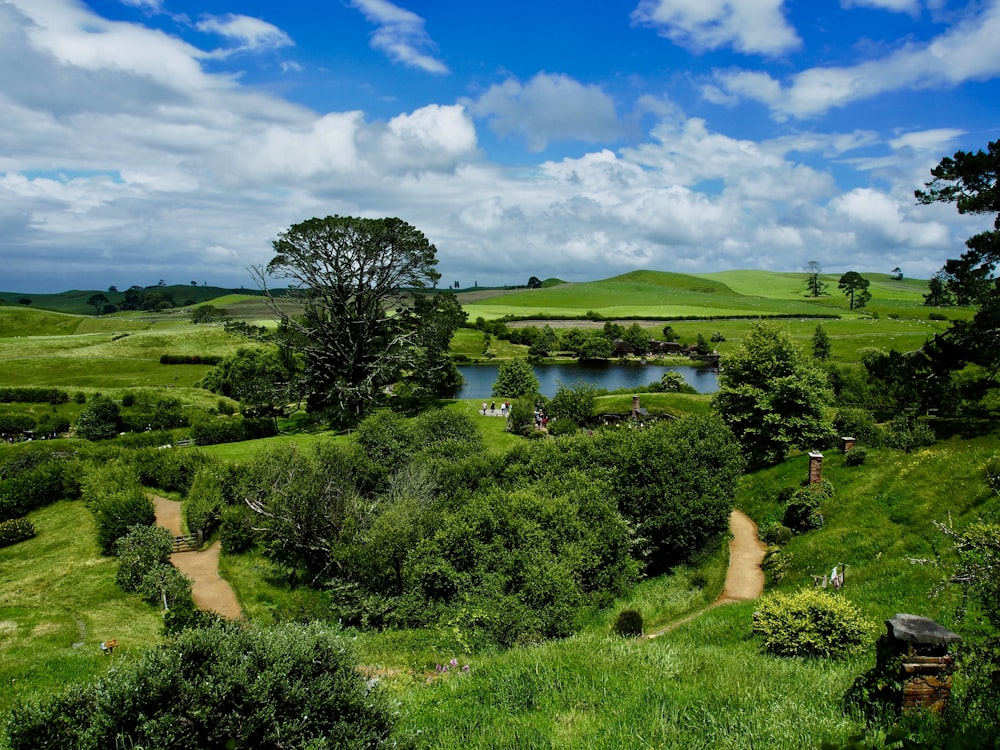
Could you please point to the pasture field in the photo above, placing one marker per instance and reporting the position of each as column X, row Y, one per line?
column 58, row 601
column 705, row 684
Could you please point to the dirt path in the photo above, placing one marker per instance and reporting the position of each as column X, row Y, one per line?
column 744, row 578
column 210, row 591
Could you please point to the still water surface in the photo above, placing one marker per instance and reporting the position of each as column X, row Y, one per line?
column 611, row 376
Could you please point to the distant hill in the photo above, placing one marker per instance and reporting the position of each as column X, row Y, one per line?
column 75, row 300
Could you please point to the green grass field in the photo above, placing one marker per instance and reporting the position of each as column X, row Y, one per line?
column 704, row 685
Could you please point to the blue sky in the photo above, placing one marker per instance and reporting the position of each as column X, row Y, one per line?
column 172, row 139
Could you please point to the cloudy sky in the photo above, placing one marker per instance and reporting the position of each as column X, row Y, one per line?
column 174, row 139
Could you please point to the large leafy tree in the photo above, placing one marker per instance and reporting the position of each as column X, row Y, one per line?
column 969, row 180
column 257, row 378
column 359, row 331
column 855, row 286
column 772, row 396
column 515, row 378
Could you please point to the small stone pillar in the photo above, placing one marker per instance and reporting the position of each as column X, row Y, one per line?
column 815, row 467
column 635, row 407
column 847, row 444
column 925, row 665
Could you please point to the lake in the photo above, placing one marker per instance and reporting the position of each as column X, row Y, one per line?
column 611, row 376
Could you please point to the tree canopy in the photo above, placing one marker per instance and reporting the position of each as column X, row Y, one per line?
column 855, row 286
column 814, row 279
column 772, row 396
column 969, row 180
column 360, row 328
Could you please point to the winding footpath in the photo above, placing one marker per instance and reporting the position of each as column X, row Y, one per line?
column 744, row 578
column 210, row 591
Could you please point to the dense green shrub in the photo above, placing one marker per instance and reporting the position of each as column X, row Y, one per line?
column 15, row 530
column 574, row 403
column 100, row 420
column 907, row 434
column 115, row 496
column 859, row 424
column 189, row 359
column 855, row 457
column 804, row 510
column 219, row 430
column 628, row 624
column 387, row 438
column 812, row 622
column 139, row 552
column 224, row 686
column 14, row 424
column 33, row 396
column 212, row 489
column 777, row 534
column 169, row 469
column 31, row 481
column 560, row 427
column 236, row 529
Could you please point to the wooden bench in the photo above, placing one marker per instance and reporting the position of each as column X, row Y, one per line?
column 108, row 647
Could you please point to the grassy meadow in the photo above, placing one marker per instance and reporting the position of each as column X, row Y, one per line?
column 706, row 684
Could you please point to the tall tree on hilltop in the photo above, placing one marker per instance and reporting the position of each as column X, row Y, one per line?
column 814, row 280
column 359, row 329
column 855, row 286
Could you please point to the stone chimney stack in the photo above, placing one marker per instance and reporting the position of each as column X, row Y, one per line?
column 815, row 467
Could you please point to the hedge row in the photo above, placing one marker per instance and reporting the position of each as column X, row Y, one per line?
column 189, row 359
column 231, row 430
column 33, row 396
column 32, row 489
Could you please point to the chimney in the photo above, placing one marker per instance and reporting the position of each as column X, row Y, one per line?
column 815, row 467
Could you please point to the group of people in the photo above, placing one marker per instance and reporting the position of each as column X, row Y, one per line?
column 490, row 410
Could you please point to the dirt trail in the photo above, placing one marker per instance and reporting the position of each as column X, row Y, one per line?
column 210, row 591
column 744, row 578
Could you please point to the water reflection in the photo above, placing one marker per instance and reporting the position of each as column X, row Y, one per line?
column 611, row 376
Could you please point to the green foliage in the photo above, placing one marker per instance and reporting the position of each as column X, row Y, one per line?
column 811, row 623
column 821, row 344
column 259, row 379
column 236, row 529
column 907, row 434
column 356, row 332
column 115, row 496
column 515, row 379
column 815, row 284
column 140, row 550
column 594, row 346
column 31, row 479
column 627, row 624
column 209, row 314
column 573, row 403
column 855, row 286
column 386, row 438
column 772, row 397
column 232, row 429
column 15, row 530
column 804, row 510
column 219, row 687
column 212, row 490
column 33, row 396
column 858, row 424
column 855, row 457
column 776, row 534
column 100, row 420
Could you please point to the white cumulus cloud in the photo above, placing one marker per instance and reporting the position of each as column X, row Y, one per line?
column 401, row 35
column 749, row 26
